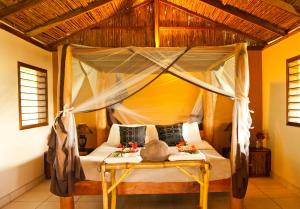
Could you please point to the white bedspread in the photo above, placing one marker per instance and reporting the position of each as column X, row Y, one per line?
column 220, row 167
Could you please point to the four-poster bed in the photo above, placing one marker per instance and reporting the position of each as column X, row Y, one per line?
column 116, row 74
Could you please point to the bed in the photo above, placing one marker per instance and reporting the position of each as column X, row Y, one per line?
column 155, row 181
column 220, row 70
column 220, row 166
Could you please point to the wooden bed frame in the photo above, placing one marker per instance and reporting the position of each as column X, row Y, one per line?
column 133, row 188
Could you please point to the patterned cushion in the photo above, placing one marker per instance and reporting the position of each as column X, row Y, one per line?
column 171, row 134
column 133, row 134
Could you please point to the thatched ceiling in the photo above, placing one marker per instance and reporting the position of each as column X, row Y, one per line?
column 116, row 23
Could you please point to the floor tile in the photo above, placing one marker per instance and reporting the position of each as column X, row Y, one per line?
column 88, row 205
column 260, row 203
column 254, row 192
column 43, row 187
column 288, row 203
column 54, row 198
column 266, row 183
column 263, row 193
column 279, row 193
column 33, row 197
column 49, row 205
column 22, row 205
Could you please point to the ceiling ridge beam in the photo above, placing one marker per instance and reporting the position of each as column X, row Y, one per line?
column 210, row 20
column 65, row 17
column 284, row 6
column 4, row 12
column 161, row 27
column 191, row 28
column 122, row 12
column 246, row 16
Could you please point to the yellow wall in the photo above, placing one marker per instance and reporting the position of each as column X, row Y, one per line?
column 284, row 140
column 21, row 151
column 167, row 100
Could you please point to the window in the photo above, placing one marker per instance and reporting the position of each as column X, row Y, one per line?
column 33, row 96
column 293, row 91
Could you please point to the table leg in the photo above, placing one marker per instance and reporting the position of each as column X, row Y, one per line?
column 114, row 191
column 201, row 174
column 104, row 188
column 205, row 185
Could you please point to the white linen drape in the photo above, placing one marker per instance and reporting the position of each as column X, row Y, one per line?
column 241, row 123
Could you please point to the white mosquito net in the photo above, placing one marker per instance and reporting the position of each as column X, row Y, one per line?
column 93, row 79
column 115, row 74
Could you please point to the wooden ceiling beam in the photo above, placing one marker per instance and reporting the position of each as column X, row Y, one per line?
column 65, row 17
column 246, row 16
column 224, row 26
column 191, row 28
column 284, row 6
column 24, row 37
column 124, row 11
column 160, row 27
column 17, row 7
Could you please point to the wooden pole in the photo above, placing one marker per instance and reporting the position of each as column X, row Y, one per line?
column 104, row 188
column 236, row 203
column 205, row 183
column 67, row 203
column 201, row 188
column 156, row 22
column 68, row 78
column 114, row 191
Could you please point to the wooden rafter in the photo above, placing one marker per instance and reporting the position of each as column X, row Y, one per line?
column 156, row 22
column 122, row 12
column 224, row 26
column 24, row 37
column 65, row 17
column 191, row 28
column 17, row 7
column 284, row 6
column 246, row 16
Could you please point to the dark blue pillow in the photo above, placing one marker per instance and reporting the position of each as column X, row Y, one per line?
column 171, row 134
column 133, row 134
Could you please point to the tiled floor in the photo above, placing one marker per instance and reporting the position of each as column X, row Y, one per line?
column 263, row 193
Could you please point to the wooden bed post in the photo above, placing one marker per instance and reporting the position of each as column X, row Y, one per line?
column 67, row 202
column 236, row 203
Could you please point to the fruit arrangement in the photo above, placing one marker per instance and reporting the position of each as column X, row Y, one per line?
column 183, row 146
column 125, row 150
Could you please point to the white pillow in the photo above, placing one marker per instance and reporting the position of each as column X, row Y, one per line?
column 191, row 133
column 114, row 133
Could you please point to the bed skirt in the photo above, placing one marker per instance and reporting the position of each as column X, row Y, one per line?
column 131, row 188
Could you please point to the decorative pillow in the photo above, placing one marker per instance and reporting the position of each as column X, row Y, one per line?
column 171, row 134
column 133, row 134
column 191, row 133
column 155, row 150
column 114, row 133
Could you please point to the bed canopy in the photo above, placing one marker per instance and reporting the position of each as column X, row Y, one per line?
column 113, row 75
